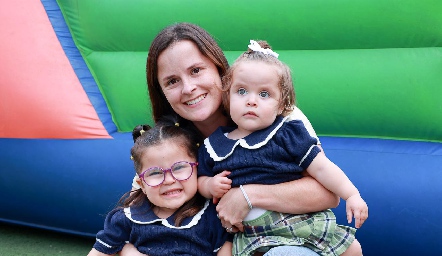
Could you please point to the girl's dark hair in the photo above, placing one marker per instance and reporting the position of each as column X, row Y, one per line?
column 167, row 128
column 287, row 101
column 139, row 130
column 168, row 36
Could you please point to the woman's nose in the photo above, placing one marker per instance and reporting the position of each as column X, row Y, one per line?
column 188, row 86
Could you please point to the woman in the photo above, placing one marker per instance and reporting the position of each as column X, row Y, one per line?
column 184, row 70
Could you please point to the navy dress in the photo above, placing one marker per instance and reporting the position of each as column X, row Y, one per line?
column 277, row 154
column 201, row 234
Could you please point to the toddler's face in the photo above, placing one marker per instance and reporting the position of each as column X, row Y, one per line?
column 254, row 96
column 171, row 194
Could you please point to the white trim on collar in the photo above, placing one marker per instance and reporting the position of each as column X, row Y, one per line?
column 241, row 142
column 192, row 223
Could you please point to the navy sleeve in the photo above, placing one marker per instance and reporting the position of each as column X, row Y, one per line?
column 205, row 162
column 218, row 233
column 116, row 232
column 297, row 141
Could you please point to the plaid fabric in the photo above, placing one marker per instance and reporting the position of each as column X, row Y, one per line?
column 317, row 231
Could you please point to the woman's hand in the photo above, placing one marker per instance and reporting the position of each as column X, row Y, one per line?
column 232, row 209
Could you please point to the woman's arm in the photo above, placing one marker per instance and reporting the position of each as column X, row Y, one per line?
column 298, row 196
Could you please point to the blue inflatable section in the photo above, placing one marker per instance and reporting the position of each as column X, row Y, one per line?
column 63, row 185
column 400, row 181
column 83, row 179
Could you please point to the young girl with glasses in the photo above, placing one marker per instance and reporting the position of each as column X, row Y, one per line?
column 267, row 148
column 167, row 215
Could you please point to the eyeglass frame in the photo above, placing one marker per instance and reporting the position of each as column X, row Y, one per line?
column 141, row 175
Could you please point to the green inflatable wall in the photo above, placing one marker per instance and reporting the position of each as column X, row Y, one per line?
column 366, row 68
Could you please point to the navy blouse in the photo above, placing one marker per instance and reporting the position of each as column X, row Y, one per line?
column 201, row 234
column 273, row 155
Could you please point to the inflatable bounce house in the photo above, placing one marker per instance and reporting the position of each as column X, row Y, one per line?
column 368, row 74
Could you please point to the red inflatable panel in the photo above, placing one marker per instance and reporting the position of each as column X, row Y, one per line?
column 40, row 95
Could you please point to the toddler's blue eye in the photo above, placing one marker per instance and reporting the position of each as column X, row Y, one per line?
column 264, row 94
column 242, row 91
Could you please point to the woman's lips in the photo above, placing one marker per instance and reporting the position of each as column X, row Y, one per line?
column 196, row 100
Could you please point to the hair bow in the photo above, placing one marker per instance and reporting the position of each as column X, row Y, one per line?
column 254, row 46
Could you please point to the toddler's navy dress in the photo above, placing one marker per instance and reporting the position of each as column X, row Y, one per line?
column 201, row 234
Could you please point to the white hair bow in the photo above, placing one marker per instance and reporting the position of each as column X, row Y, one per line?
column 254, row 46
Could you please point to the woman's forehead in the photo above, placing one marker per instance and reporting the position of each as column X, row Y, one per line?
column 180, row 56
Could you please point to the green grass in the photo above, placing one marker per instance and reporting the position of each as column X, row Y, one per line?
column 25, row 241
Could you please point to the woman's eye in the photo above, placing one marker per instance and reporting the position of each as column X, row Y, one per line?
column 172, row 81
column 195, row 71
column 242, row 91
column 264, row 94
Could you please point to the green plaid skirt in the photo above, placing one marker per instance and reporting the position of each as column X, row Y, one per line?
column 317, row 231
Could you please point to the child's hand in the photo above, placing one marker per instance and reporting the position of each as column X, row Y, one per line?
column 219, row 185
column 356, row 207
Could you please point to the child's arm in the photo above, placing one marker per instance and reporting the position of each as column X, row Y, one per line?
column 130, row 250
column 335, row 180
column 94, row 252
column 226, row 249
column 215, row 186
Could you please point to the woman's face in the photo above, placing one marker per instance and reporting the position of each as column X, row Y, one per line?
column 190, row 81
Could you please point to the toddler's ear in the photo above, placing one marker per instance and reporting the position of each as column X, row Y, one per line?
column 139, row 182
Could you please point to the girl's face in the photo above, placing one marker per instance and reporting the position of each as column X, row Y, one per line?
column 171, row 194
column 254, row 96
column 190, row 81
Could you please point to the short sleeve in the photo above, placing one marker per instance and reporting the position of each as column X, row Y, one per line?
column 298, row 142
column 204, row 162
column 116, row 232
column 297, row 114
column 219, row 234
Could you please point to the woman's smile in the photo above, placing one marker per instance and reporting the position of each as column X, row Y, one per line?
column 196, row 100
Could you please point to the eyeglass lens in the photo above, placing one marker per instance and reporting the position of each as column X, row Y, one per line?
column 156, row 175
